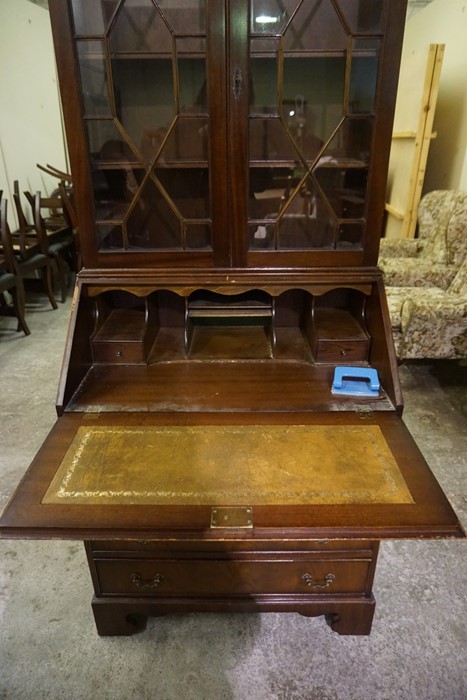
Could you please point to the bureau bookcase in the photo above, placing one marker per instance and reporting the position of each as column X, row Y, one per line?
column 229, row 162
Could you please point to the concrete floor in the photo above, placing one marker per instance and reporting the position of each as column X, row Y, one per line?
column 48, row 644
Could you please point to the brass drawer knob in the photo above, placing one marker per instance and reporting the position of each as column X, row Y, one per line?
column 327, row 581
column 139, row 581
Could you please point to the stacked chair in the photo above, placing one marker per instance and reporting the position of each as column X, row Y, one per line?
column 30, row 252
column 10, row 277
column 43, row 244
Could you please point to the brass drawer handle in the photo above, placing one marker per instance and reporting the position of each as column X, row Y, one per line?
column 327, row 581
column 139, row 581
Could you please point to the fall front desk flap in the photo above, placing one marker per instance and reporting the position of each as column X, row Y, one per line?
column 117, row 472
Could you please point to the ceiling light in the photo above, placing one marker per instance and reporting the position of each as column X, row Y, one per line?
column 266, row 19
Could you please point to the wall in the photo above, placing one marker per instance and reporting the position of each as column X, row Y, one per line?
column 30, row 119
column 445, row 22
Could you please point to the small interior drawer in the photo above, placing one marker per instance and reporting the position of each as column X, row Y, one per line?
column 117, row 352
column 342, row 350
column 120, row 339
column 339, row 337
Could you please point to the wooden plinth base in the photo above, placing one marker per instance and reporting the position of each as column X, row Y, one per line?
column 126, row 616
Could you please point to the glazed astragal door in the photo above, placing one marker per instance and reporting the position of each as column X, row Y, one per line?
column 232, row 133
column 144, row 80
column 314, row 69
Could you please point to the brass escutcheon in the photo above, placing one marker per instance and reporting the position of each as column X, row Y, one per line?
column 232, row 517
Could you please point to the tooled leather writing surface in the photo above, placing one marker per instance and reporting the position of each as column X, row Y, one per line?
column 232, row 465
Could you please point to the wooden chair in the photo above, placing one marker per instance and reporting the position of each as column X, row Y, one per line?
column 55, row 172
column 60, row 242
column 25, row 230
column 52, row 206
column 31, row 257
column 10, row 278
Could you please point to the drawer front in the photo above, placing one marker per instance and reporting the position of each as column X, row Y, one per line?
column 174, row 577
column 342, row 350
column 118, row 352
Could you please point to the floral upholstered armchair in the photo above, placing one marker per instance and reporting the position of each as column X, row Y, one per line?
column 430, row 322
column 432, row 259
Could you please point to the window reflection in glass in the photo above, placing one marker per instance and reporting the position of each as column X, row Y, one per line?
column 92, row 18
column 363, row 75
column 92, row 69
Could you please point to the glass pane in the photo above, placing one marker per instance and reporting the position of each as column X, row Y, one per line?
column 304, row 233
column 269, row 190
column 91, row 18
column 92, row 69
column 114, row 182
column 315, row 26
column 110, row 237
column 308, row 89
column 262, row 235
column 363, row 75
column 342, row 172
column 106, row 143
column 188, row 190
column 198, row 236
column 350, row 236
column 139, row 28
column 187, row 141
column 152, row 223
column 142, row 108
column 271, row 16
column 312, row 104
column 187, row 17
column 303, row 223
column 306, row 75
column 257, row 132
column 264, row 76
column 192, row 82
column 114, row 191
column 363, row 16
column 350, row 145
column 331, row 180
column 306, row 222
column 269, row 140
column 352, row 197
column 145, row 101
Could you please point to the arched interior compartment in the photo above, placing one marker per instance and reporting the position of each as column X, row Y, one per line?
column 230, row 326
column 254, row 325
column 226, row 348
column 338, row 329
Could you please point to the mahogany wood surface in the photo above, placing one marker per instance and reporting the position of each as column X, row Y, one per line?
column 429, row 516
column 227, row 32
column 339, row 585
column 231, row 333
column 127, row 616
